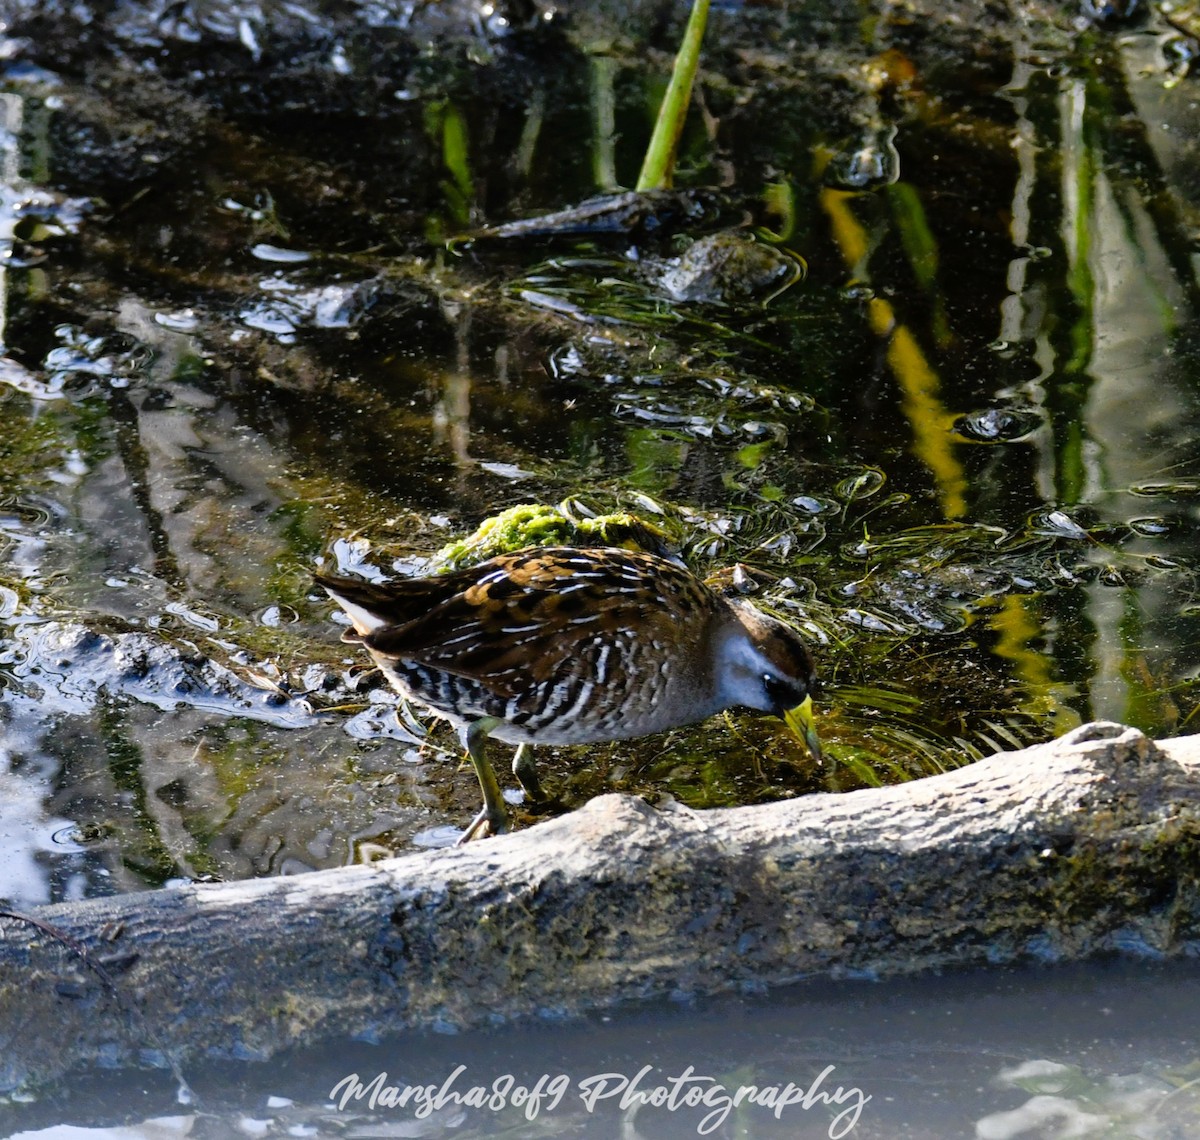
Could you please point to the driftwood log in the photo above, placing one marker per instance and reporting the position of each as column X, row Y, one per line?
column 1086, row 845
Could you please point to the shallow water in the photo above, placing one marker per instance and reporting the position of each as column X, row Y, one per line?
column 962, row 451
column 1103, row 1050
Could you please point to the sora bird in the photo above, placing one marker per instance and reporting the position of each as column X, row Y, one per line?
column 572, row 645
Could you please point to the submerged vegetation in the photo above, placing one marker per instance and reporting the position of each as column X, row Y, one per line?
column 958, row 454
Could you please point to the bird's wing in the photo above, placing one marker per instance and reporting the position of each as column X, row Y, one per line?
column 527, row 616
column 373, row 606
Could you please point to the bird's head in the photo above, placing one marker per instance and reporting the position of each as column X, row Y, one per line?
column 764, row 664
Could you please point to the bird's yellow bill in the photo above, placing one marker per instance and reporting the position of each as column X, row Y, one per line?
column 800, row 721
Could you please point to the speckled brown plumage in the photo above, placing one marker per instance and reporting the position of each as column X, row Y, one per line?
column 564, row 645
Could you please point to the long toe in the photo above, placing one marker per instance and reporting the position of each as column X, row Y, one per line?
column 484, row 824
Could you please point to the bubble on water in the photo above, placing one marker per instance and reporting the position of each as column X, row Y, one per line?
column 812, row 505
column 77, row 837
column 1158, row 562
column 869, row 621
column 868, row 163
column 194, row 619
column 275, row 616
column 860, row 485
column 437, row 837
column 997, row 425
column 1057, row 523
column 506, row 470
column 858, row 291
column 179, row 320
column 1153, row 527
column 1164, row 489
column 279, row 255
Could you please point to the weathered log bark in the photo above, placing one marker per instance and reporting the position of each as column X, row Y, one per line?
column 1086, row 845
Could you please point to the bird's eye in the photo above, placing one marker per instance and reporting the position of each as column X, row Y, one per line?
column 781, row 693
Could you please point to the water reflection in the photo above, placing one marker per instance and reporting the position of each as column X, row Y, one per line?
column 960, row 455
column 1006, row 1055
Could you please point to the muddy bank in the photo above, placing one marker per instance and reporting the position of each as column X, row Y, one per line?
column 1084, row 846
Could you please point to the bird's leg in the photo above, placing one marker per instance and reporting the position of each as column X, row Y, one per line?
column 493, row 817
column 526, row 772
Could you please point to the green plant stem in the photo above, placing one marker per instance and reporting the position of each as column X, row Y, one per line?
column 659, row 163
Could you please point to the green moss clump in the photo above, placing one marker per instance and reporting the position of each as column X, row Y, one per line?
column 535, row 524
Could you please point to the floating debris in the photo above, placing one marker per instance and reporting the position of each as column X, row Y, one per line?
column 729, row 268
column 633, row 214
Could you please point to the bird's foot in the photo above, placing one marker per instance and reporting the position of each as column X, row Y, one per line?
column 486, row 823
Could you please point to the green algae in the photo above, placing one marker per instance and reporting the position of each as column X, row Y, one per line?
column 534, row 524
